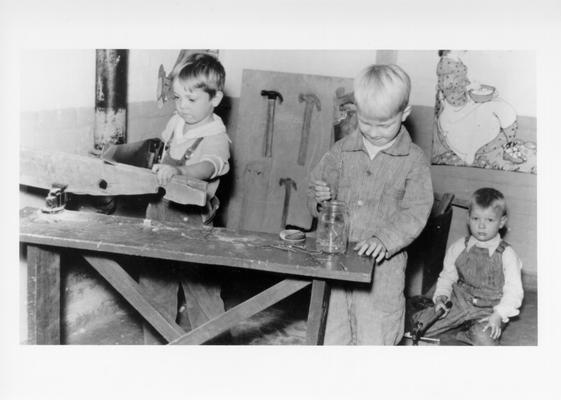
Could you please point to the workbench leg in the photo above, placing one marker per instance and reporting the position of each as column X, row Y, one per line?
column 317, row 313
column 43, row 295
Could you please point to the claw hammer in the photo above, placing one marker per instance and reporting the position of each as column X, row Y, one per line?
column 311, row 100
column 288, row 184
column 272, row 96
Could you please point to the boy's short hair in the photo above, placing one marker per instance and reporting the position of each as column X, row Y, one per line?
column 205, row 70
column 488, row 198
column 382, row 89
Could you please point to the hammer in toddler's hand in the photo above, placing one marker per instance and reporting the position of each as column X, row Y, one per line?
column 288, row 185
column 311, row 100
column 272, row 96
column 422, row 326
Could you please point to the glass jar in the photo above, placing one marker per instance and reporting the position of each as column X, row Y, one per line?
column 333, row 227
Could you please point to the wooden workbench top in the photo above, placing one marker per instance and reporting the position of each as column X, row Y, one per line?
column 172, row 241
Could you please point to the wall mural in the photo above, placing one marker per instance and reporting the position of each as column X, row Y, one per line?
column 474, row 126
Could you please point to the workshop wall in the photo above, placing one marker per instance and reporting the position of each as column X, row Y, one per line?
column 57, row 112
column 61, row 107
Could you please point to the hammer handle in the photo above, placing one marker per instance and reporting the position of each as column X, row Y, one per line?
column 304, row 138
column 285, row 205
column 268, row 142
column 421, row 328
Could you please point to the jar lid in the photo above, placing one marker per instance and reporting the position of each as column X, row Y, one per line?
column 292, row 236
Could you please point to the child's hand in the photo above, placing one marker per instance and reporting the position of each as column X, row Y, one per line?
column 372, row 247
column 440, row 304
column 320, row 190
column 165, row 172
column 493, row 323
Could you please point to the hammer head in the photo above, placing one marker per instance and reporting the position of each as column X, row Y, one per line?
column 310, row 98
column 287, row 182
column 272, row 95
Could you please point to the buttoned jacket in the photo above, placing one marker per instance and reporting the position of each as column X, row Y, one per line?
column 389, row 197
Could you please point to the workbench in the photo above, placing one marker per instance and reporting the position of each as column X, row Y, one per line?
column 99, row 238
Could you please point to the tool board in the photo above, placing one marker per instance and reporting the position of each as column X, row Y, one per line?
column 257, row 199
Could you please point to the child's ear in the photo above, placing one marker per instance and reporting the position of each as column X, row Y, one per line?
column 405, row 113
column 217, row 98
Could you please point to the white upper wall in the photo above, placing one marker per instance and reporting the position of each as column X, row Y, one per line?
column 513, row 73
column 58, row 79
column 144, row 66
column 339, row 63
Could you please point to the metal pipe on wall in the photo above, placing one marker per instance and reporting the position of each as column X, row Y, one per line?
column 110, row 97
column 110, row 125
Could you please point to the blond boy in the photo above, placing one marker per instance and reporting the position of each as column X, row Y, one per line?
column 384, row 178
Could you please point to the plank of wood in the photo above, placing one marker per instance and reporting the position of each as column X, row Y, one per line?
column 317, row 314
column 176, row 241
column 131, row 291
column 43, row 295
column 93, row 176
column 242, row 311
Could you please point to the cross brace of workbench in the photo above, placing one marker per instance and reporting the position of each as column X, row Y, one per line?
column 44, row 301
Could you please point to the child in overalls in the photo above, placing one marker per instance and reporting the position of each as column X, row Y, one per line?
column 481, row 277
column 196, row 145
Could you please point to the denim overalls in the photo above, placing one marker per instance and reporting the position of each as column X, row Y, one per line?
column 478, row 289
column 200, row 288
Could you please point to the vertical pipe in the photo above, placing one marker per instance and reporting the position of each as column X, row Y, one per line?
column 110, row 126
column 110, row 97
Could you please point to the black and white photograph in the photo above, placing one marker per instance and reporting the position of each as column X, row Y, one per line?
column 228, row 204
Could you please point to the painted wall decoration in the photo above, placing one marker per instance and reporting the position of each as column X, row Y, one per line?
column 474, row 126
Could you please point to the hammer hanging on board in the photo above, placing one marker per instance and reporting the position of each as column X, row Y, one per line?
column 288, row 185
column 272, row 96
column 311, row 100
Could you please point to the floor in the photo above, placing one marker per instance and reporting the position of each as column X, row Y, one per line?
column 282, row 324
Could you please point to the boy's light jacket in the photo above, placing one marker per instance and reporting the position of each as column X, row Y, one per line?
column 389, row 197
